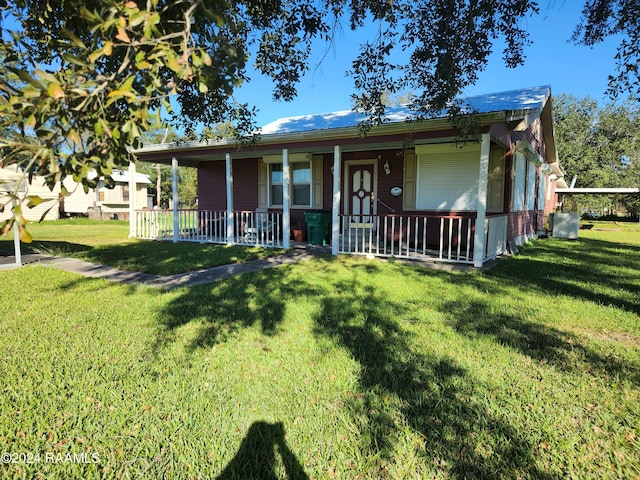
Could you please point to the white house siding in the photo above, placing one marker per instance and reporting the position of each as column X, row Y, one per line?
column 38, row 188
column 107, row 203
column 77, row 202
column 447, row 177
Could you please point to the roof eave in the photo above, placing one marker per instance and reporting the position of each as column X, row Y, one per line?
column 343, row 133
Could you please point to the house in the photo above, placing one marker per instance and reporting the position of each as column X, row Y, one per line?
column 47, row 210
column 406, row 189
column 104, row 203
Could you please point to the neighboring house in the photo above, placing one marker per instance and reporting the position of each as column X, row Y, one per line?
column 105, row 203
column 48, row 208
column 406, row 189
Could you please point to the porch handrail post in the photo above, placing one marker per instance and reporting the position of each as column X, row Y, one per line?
column 230, row 219
column 174, row 187
column 132, row 199
column 483, row 188
column 335, row 213
column 286, row 220
column 17, row 248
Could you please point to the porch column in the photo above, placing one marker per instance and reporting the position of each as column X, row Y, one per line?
column 230, row 219
column 132, row 199
column 174, row 187
column 286, row 210
column 480, row 237
column 335, row 217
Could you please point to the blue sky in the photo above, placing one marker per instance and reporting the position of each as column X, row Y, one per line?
column 551, row 60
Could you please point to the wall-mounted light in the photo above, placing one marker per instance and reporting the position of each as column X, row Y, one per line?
column 387, row 167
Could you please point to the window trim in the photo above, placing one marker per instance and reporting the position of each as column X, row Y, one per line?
column 270, row 183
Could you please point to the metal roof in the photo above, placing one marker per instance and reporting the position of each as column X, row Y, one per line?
column 515, row 100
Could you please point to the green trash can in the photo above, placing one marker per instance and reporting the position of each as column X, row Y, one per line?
column 318, row 222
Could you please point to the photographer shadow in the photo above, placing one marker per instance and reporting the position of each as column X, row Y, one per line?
column 256, row 457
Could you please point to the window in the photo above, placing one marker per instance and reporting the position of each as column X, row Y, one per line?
column 447, row 177
column 531, row 186
column 125, row 193
column 275, row 184
column 301, row 183
column 495, row 201
column 519, row 182
column 300, row 194
column 542, row 184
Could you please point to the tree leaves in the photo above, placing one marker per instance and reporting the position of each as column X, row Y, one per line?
column 600, row 145
column 606, row 18
column 82, row 77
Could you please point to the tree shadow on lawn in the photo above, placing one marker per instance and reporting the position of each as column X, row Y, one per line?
column 431, row 393
column 584, row 269
column 399, row 386
column 551, row 269
column 535, row 340
column 225, row 307
column 146, row 256
column 55, row 248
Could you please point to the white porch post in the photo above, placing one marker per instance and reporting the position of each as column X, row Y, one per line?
column 483, row 188
column 286, row 210
column 132, row 199
column 230, row 219
column 335, row 217
column 174, row 186
column 17, row 248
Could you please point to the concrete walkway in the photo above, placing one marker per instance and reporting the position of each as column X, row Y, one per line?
column 167, row 282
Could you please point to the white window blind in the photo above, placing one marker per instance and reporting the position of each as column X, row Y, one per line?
column 519, row 182
column 531, row 186
column 447, row 177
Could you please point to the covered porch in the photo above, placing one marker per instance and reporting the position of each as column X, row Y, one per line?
column 473, row 237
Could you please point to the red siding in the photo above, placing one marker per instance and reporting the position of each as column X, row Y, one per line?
column 245, row 184
column 212, row 186
column 533, row 135
column 525, row 223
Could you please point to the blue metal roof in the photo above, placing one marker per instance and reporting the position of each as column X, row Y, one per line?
column 524, row 99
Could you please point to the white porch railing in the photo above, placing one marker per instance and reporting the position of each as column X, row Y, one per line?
column 419, row 237
column 496, row 231
column 445, row 239
column 207, row 226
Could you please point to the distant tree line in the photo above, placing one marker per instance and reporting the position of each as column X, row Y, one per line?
column 600, row 146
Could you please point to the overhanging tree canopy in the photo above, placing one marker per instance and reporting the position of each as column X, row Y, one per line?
column 84, row 77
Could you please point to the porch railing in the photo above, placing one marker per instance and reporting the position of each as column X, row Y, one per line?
column 211, row 226
column 419, row 237
column 446, row 239
column 496, row 231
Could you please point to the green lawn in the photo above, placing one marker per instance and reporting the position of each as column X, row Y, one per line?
column 108, row 243
column 332, row 368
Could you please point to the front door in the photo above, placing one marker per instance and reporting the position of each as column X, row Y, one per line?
column 361, row 195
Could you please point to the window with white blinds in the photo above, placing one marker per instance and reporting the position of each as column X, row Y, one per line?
column 447, row 177
column 542, row 190
column 531, row 186
column 519, row 182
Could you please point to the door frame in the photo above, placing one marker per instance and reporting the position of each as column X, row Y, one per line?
column 347, row 183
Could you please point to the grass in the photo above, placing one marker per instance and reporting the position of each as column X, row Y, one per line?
column 107, row 243
column 332, row 368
